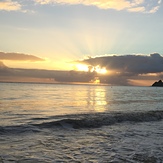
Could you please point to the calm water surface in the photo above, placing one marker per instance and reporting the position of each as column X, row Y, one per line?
column 24, row 101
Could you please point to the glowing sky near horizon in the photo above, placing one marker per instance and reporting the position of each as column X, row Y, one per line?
column 61, row 31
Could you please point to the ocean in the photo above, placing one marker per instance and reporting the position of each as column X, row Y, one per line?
column 57, row 123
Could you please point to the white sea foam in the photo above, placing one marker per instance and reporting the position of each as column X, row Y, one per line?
column 125, row 142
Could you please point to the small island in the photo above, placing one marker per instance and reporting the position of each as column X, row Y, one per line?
column 158, row 84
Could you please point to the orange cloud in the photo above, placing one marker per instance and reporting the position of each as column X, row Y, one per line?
column 132, row 6
column 9, row 5
column 137, row 9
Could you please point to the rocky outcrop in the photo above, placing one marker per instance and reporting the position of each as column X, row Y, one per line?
column 158, row 84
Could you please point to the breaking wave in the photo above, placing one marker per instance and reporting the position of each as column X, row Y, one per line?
column 104, row 119
column 84, row 121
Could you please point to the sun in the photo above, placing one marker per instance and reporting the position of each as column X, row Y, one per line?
column 89, row 68
column 100, row 70
column 82, row 67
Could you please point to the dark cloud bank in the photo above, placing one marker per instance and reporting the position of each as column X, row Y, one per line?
column 129, row 67
column 37, row 75
column 124, row 69
column 130, row 64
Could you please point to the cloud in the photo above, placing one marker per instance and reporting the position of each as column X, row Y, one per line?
column 19, row 57
column 122, row 70
column 46, row 76
column 129, row 69
column 9, row 5
column 144, row 6
column 137, row 9
column 154, row 9
column 129, row 64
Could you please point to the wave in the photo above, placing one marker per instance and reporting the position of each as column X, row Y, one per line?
column 104, row 119
column 84, row 121
column 19, row 129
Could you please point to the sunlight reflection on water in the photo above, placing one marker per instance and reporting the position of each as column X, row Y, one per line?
column 17, row 100
column 97, row 99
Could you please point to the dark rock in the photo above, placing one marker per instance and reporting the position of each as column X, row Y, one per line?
column 158, row 84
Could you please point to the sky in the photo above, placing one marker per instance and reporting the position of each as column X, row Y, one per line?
column 52, row 34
